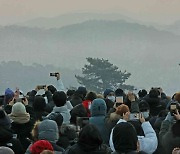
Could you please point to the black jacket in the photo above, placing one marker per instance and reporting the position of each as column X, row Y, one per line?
column 6, row 139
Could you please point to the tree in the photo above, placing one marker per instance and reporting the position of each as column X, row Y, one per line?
column 100, row 74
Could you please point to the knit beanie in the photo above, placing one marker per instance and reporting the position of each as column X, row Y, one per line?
column 18, row 108
column 107, row 91
column 6, row 150
column 40, row 146
column 124, row 138
column 4, row 119
column 143, row 106
column 9, row 94
column 48, row 130
column 122, row 109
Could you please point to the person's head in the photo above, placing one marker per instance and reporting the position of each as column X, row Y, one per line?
column 78, row 111
column 70, row 92
column 108, row 92
column 9, row 94
column 39, row 103
column 142, row 93
column 59, row 98
column 177, row 97
column 91, row 96
column 48, row 130
column 124, row 138
column 6, row 150
column 39, row 146
column 52, row 89
column 89, row 138
column 154, row 93
column 143, row 106
column 98, row 107
column 82, row 90
column 122, row 109
column 19, row 114
column 119, row 92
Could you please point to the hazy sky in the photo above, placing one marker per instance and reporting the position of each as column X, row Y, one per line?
column 158, row 11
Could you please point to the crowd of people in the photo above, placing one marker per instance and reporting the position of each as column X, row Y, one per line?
column 85, row 122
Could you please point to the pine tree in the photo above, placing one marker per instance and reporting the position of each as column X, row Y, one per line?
column 100, row 74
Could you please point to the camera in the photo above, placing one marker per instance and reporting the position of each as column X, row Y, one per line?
column 54, row 74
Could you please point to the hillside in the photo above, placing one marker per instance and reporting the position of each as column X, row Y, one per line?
column 149, row 54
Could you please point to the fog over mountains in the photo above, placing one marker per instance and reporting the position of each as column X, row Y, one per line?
column 151, row 54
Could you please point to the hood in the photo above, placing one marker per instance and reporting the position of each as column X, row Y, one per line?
column 98, row 107
column 48, row 130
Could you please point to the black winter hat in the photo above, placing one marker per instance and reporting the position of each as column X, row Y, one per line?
column 124, row 138
column 143, row 106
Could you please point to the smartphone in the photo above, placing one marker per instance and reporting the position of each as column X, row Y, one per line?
column 54, row 74
column 173, row 108
column 133, row 116
column 119, row 99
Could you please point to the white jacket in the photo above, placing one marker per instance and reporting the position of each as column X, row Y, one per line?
column 148, row 143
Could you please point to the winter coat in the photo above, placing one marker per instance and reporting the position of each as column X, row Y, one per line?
column 167, row 140
column 98, row 112
column 6, row 139
column 64, row 111
column 148, row 143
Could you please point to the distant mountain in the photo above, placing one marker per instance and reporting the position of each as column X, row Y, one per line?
column 174, row 28
column 72, row 18
column 151, row 55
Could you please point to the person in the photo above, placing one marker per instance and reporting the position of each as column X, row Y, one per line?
column 46, row 130
column 7, row 138
column 60, row 99
column 39, row 106
column 169, row 134
column 98, row 112
column 39, row 146
column 125, row 140
column 88, row 101
column 6, row 150
column 109, row 97
column 147, row 143
column 22, row 121
column 89, row 142
column 115, row 116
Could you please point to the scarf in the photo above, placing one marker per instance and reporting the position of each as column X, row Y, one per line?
column 20, row 118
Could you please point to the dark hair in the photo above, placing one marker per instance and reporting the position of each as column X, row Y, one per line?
column 142, row 93
column 91, row 96
column 59, row 98
column 154, row 93
column 70, row 92
column 89, row 136
column 52, row 89
column 39, row 103
column 124, row 137
column 119, row 92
